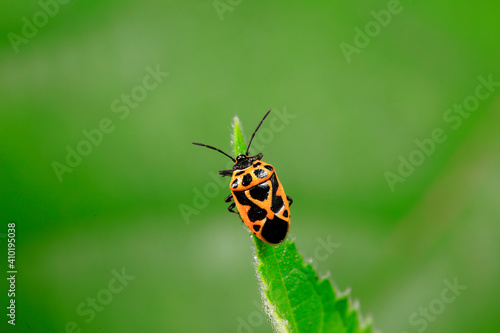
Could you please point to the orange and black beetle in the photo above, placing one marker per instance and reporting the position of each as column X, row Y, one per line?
column 258, row 194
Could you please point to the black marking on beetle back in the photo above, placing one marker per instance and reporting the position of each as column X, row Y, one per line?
column 256, row 164
column 239, row 173
column 259, row 173
column 256, row 227
column 235, row 184
column 255, row 213
column 247, row 179
column 260, row 192
column 242, row 198
column 285, row 213
column 268, row 167
column 277, row 203
column 275, row 230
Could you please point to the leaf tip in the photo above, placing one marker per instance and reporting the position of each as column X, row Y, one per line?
column 237, row 139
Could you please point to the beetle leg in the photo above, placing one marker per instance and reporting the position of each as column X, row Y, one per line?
column 226, row 172
column 231, row 208
column 289, row 199
column 232, row 205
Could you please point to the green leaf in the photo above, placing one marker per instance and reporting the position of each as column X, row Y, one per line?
column 296, row 299
column 239, row 143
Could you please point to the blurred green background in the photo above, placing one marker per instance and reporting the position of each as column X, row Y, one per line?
column 352, row 118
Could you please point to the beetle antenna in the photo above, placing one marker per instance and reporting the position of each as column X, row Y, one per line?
column 217, row 149
column 249, row 143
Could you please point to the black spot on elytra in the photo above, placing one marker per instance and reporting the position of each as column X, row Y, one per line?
column 242, row 198
column 285, row 213
column 277, row 202
column 268, row 167
column 235, row 184
column 239, row 173
column 256, row 227
column 256, row 213
column 247, row 179
column 259, row 173
column 275, row 230
column 260, row 192
column 256, row 164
